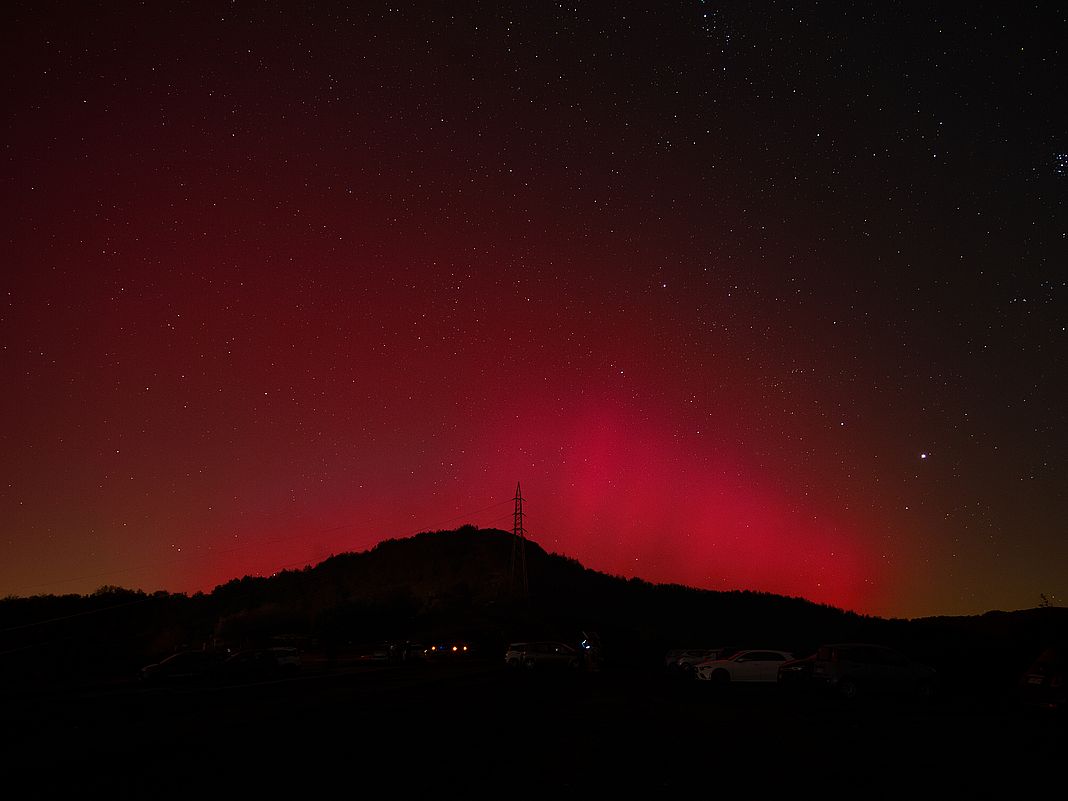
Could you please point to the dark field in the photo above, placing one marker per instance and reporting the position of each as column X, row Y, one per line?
column 473, row 728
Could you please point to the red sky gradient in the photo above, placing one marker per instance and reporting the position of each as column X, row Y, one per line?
column 283, row 283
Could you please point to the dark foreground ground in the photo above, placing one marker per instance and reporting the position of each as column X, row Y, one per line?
column 473, row 729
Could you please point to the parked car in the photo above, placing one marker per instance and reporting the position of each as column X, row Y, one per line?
column 671, row 658
column 852, row 669
column 183, row 667
column 449, row 649
column 796, row 673
column 542, row 654
column 1045, row 682
column 408, row 651
column 687, row 661
column 399, row 651
column 760, row 665
column 378, row 652
column 261, row 663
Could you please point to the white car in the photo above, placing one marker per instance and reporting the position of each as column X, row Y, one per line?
column 685, row 661
column 750, row 665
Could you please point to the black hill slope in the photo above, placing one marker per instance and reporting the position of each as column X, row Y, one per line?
column 459, row 583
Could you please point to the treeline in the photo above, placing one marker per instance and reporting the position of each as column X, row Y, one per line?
column 458, row 583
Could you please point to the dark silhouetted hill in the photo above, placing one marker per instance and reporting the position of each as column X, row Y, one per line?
column 458, row 584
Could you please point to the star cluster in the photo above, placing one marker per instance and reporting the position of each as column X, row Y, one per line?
column 767, row 299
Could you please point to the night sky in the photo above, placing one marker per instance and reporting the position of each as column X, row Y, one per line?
column 765, row 296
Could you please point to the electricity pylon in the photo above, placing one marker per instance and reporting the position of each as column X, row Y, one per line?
column 518, row 582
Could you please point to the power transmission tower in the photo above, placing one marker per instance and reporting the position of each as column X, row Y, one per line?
column 519, row 585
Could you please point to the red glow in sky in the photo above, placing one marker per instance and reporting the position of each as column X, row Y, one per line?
column 280, row 284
